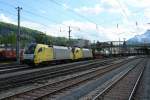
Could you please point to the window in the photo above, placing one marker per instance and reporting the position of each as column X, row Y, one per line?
column 77, row 51
column 30, row 49
column 40, row 50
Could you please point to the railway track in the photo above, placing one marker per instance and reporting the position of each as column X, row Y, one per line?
column 19, row 78
column 50, row 89
column 7, row 64
column 120, row 88
column 13, row 67
column 141, row 92
column 9, row 68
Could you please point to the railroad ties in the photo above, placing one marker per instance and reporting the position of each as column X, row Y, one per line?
column 109, row 79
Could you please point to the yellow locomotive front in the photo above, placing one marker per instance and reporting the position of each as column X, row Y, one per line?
column 43, row 53
column 38, row 53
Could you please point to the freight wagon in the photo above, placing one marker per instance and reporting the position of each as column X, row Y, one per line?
column 9, row 54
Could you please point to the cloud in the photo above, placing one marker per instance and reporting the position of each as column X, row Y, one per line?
column 111, row 3
column 6, row 19
column 119, row 9
column 65, row 6
column 147, row 13
column 138, row 3
column 84, row 25
column 110, row 6
column 116, row 6
column 85, row 30
column 101, row 33
column 42, row 11
column 112, row 10
column 97, row 9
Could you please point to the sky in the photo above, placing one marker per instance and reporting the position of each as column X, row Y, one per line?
column 95, row 20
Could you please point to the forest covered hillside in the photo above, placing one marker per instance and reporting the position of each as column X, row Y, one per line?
column 8, row 36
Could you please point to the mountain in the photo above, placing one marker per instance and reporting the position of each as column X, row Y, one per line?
column 140, row 38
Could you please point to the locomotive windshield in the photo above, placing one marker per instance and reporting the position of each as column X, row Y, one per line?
column 30, row 49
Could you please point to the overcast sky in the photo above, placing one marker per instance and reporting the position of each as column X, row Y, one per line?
column 89, row 19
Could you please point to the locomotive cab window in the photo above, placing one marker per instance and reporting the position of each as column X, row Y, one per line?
column 77, row 51
column 40, row 50
column 30, row 49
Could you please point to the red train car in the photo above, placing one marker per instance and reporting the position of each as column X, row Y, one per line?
column 9, row 54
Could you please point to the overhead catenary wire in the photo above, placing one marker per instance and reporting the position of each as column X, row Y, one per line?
column 29, row 12
column 57, row 3
column 24, row 18
column 122, row 9
column 38, row 15
column 124, row 13
column 79, row 15
column 32, row 13
column 71, row 10
column 47, row 18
